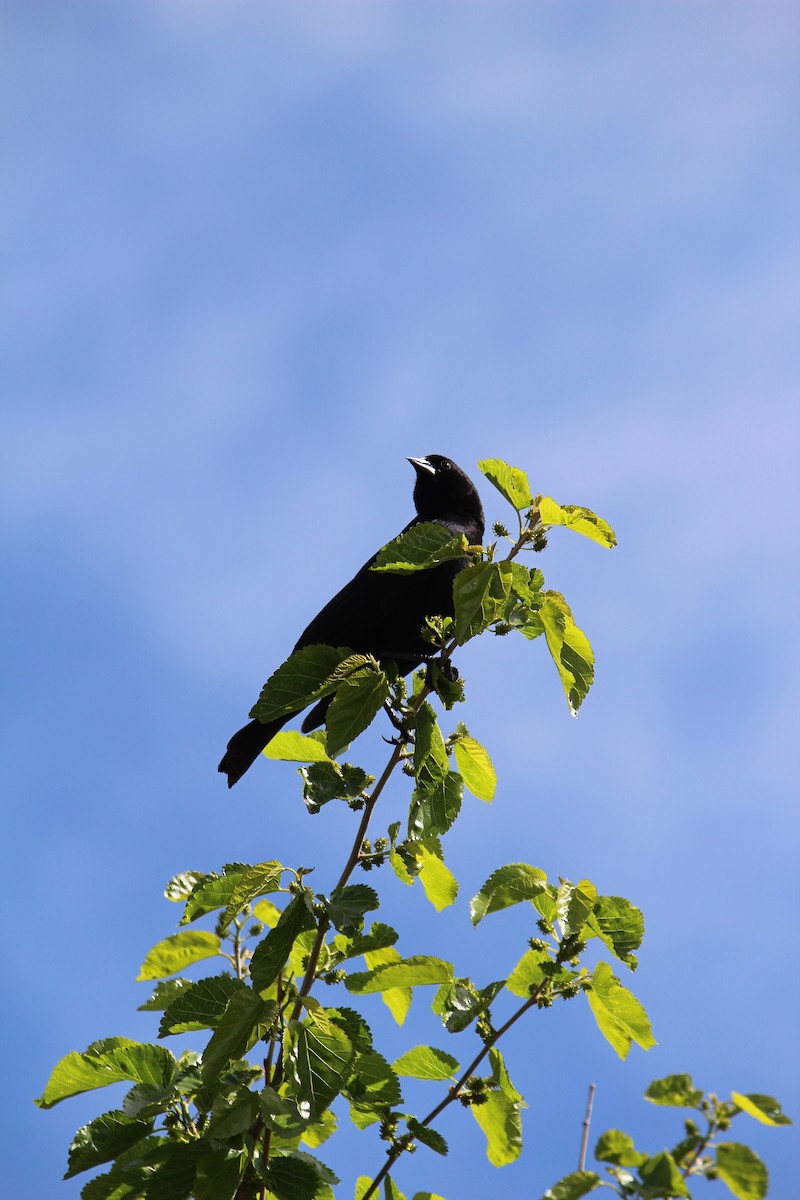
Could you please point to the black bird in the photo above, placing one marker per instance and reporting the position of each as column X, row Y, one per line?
column 379, row 613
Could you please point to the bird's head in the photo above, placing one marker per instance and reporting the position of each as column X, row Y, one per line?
column 442, row 489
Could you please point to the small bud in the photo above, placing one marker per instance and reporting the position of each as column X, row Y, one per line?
column 539, row 542
column 537, row 944
column 500, row 529
column 256, row 929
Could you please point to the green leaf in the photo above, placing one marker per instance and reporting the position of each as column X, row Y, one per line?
column 528, row 973
column 433, row 811
column 614, row 1146
column 213, row 891
column 573, row 1186
column 440, row 884
column 233, row 1114
column 201, row 1006
column 252, row 882
column 246, row 1018
column 433, row 1140
column 419, row 548
column 218, row 1176
column 289, row 745
column 430, row 756
column 582, row 520
column 459, row 1003
column 327, row 781
column 661, row 1177
column 373, row 1084
column 108, row 1061
column 620, row 1017
column 321, row 1056
column 742, row 1170
column 620, row 926
column 175, row 1176
column 348, row 906
column 476, row 768
column 289, row 1177
column 103, row 1140
column 765, row 1109
column 181, row 886
column 396, row 999
column 305, row 676
column 362, row 1186
column 500, row 1119
column 177, row 952
column 569, row 648
column 480, row 594
column 315, row 1135
column 357, row 701
column 426, row 1062
column 677, row 1091
column 506, row 886
column 412, row 972
column 379, row 937
column 575, row 904
column 164, row 994
column 511, row 482
column 272, row 952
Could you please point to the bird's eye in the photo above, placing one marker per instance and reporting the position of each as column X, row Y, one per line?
column 445, row 464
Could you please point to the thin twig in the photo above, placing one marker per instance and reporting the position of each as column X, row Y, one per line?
column 586, row 1123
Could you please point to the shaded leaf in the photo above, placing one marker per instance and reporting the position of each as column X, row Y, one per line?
column 164, row 993
column 201, row 1006
column 358, row 699
column 321, row 1055
column 433, row 1140
column 305, row 676
column 103, row 1140
column 272, row 952
column 348, row 906
column 480, row 595
column 661, row 1176
column 246, row 1018
column 620, row 926
column 614, row 1146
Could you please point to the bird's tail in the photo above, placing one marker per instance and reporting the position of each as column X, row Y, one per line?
column 246, row 745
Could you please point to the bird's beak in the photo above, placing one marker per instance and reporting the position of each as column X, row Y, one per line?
column 422, row 464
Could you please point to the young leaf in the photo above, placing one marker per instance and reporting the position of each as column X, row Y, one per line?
column 164, row 993
column 573, row 1186
column 511, row 482
column 218, row 1176
column 412, row 972
column 103, row 1139
column 426, row 1062
column 290, row 1178
column 292, row 746
column 255, row 881
column 506, row 886
column 617, row 1147
column 378, row 937
column 677, row 1091
column 742, row 1170
column 569, row 648
column 419, row 548
column 434, row 1141
column 528, row 973
column 459, row 1003
column 272, row 952
column 358, row 699
column 480, row 595
column 582, row 520
column 108, row 1061
column 440, row 884
column 177, row 952
column 765, row 1109
column 619, row 924
column 304, row 677
column 620, row 1017
column 396, row 999
column 575, row 904
column 180, row 886
column 476, row 768
column 662, row 1177
column 373, row 1084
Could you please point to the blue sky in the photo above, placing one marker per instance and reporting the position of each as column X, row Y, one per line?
column 255, row 256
